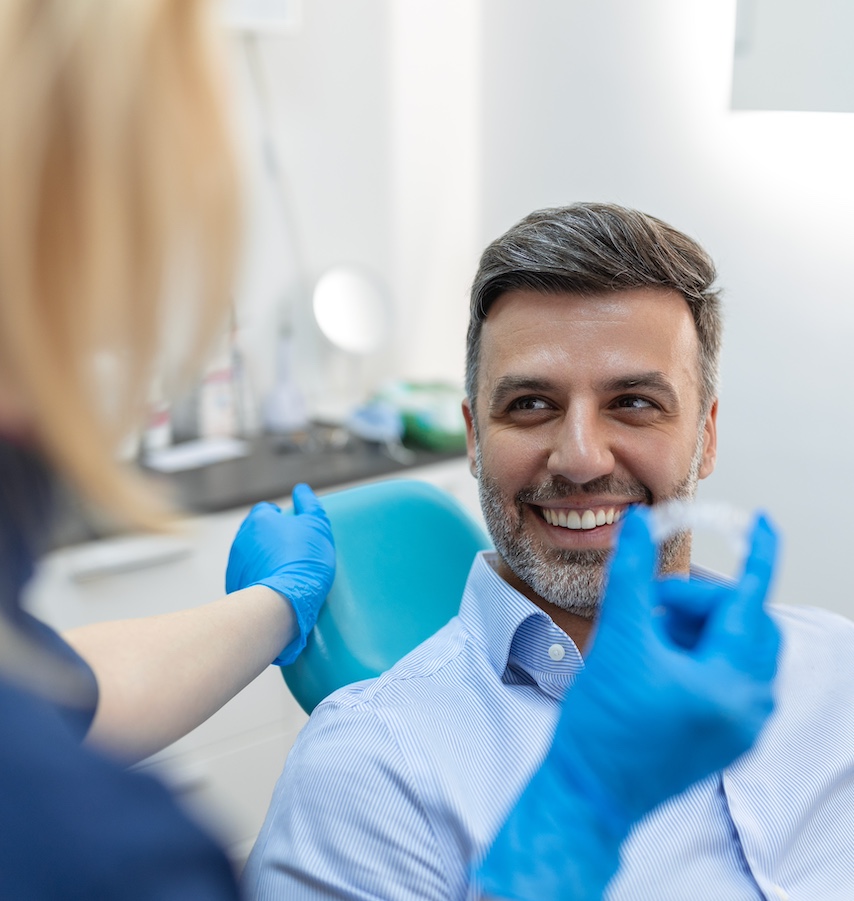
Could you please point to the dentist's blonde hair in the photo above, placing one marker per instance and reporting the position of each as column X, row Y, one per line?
column 118, row 203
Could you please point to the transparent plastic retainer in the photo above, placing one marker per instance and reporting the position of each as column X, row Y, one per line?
column 732, row 524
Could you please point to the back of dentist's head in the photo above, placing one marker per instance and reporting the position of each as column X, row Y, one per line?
column 117, row 223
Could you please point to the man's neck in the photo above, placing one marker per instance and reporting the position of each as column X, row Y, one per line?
column 581, row 628
column 578, row 628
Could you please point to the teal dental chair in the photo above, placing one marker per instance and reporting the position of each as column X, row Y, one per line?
column 404, row 549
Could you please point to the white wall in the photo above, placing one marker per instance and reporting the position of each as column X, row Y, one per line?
column 374, row 107
column 435, row 72
column 794, row 55
column 329, row 117
column 416, row 132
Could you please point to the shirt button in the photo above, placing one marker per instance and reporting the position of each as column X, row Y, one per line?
column 782, row 894
column 556, row 652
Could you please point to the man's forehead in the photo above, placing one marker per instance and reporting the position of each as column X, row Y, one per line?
column 655, row 299
column 621, row 332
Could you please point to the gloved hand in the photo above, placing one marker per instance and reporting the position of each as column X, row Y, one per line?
column 292, row 554
column 677, row 684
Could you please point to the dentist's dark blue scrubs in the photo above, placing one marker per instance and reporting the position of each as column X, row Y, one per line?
column 73, row 824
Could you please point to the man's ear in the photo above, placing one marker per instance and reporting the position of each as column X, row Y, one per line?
column 710, row 442
column 470, row 440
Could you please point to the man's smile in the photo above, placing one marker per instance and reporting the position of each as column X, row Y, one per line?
column 586, row 519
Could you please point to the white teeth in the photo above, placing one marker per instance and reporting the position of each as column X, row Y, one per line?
column 588, row 519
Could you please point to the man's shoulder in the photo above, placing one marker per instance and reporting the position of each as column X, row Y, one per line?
column 815, row 676
column 375, row 796
column 447, row 661
column 814, row 617
column 816, row 630
column 415, row 715
column 817, row 652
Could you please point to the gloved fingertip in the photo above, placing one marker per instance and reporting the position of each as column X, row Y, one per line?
column 635, row 523
column 632, row 569
column 762, row 555
column 765, row 538
column 304, row 499
column 635, row 546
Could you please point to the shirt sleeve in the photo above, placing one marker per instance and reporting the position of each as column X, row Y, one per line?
column 347, row 820
column 79, row 717
column 75, row 825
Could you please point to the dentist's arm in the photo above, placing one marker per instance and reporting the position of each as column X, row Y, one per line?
column 678, row 683
column 161, row 676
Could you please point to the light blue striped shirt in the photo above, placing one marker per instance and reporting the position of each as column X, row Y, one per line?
column 397, row 783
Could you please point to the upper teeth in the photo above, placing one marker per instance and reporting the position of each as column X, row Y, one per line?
column 587, row 519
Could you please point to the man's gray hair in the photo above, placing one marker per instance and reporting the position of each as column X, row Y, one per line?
column 593, row 248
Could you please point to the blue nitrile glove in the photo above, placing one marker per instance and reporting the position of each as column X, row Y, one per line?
column 292, row 554
column 677, row 684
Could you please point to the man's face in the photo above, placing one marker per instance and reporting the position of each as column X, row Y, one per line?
column 585, row 405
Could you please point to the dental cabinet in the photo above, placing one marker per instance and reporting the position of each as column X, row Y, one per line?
column 224, row 770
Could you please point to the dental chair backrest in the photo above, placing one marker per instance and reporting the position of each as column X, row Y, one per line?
column 403, row 549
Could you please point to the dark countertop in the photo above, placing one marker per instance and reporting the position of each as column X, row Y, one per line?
column 275, row 465
column 270, row 471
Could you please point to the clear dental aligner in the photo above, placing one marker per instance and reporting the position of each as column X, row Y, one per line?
column 731, row 523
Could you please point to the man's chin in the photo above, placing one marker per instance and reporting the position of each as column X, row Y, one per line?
column 581, row 601
column 572, row 580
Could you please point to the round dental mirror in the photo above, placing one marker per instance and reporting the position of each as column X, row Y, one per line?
column 352, row 310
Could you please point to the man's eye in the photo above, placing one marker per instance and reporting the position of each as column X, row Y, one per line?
column 635, row 403
column 529, row 403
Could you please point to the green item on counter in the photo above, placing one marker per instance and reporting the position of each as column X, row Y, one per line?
column 431, row 412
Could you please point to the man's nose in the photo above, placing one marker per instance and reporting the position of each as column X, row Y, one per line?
column 581, row 449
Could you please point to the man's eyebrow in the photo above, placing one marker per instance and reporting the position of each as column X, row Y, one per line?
column 654, row 381
column 644, row 381
column 509, row 385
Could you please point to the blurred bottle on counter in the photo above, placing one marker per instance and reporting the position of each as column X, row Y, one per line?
column 285, row 410
column 224, row 397
column 157, row 432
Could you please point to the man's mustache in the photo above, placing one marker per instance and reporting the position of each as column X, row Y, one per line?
column 563, row 489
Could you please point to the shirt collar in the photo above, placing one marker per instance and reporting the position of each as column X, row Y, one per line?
column 519, row 637
column 514, row 633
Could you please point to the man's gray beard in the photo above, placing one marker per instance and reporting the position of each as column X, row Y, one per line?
column 572, row 580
